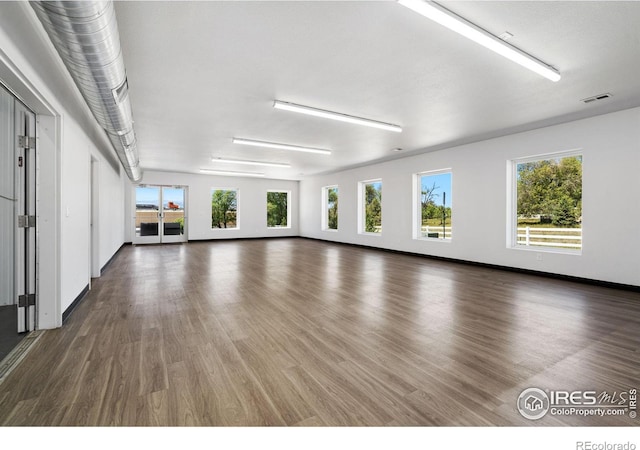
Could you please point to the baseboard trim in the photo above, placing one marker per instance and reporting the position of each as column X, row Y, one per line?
column 557, row 276
column 113, row 257
column 195, row 241
column 67, row 312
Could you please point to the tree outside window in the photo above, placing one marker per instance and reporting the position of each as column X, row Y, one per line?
column 224, row 208
column 549, row 202
column 435, row 205
column 331, row 211
column 277, row 209
column 372, row 199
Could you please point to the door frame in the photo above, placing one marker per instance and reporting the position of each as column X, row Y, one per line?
column 48, row 128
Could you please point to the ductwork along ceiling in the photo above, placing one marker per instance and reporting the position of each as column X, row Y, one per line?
column 85, row 34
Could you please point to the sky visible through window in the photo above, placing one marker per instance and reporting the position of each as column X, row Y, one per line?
column 149, row 196
column 377, row 185
column 442, row 182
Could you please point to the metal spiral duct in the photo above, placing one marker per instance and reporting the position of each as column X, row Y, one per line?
column 85, row 33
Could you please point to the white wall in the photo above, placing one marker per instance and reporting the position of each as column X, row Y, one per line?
column 611, row 187
column 252, row 204
column 111, row 205
column 67, row 137
column 75, row 210
column 78, row 149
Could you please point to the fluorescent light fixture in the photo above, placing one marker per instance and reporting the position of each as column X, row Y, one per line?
column 335, row 116
column 444, row 17
column 294, row 148
column 231, row 174
column 250, row 163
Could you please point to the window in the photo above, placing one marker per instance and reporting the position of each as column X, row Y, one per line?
column 548, row 202
column 434, row 205
column 330, row 216
column 224, row 208
column 371, row 206
column 278, row 209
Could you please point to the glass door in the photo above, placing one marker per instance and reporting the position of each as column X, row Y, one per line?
column 173, row 214
column 147, row 218
column 160, row 214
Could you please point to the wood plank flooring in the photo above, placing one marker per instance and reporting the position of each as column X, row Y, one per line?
column 300, row 332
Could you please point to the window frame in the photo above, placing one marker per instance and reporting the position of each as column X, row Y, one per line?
column 237, row 191
column 325, row 208
column 362, row 207
column 512, row 203
column 417, row 201
column 280, row 191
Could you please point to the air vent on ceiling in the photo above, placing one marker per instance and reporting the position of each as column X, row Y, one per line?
column 121, row 92
column 595, row 98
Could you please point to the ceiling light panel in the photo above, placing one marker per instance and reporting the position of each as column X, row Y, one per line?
column 295, row 148
column 452, row 21
column 286, row 106
column 250, row 163
column 229, row 173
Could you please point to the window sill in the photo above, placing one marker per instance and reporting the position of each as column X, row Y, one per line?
column 428, row 239
column 542, row 249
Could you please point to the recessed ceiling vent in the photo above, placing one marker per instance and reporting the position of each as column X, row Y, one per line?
column 595, row 98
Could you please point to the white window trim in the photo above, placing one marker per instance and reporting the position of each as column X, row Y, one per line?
column 325, row 209
column 281, row 191
column 417, row 201
column 512, row 203
column 361, row 207
column 237, row 227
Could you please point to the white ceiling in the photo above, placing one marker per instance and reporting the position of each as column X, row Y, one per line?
column 201, row 73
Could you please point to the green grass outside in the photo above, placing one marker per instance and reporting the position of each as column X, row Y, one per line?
column 435, row 222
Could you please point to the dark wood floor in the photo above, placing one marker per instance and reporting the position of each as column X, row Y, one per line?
column 300, row 332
